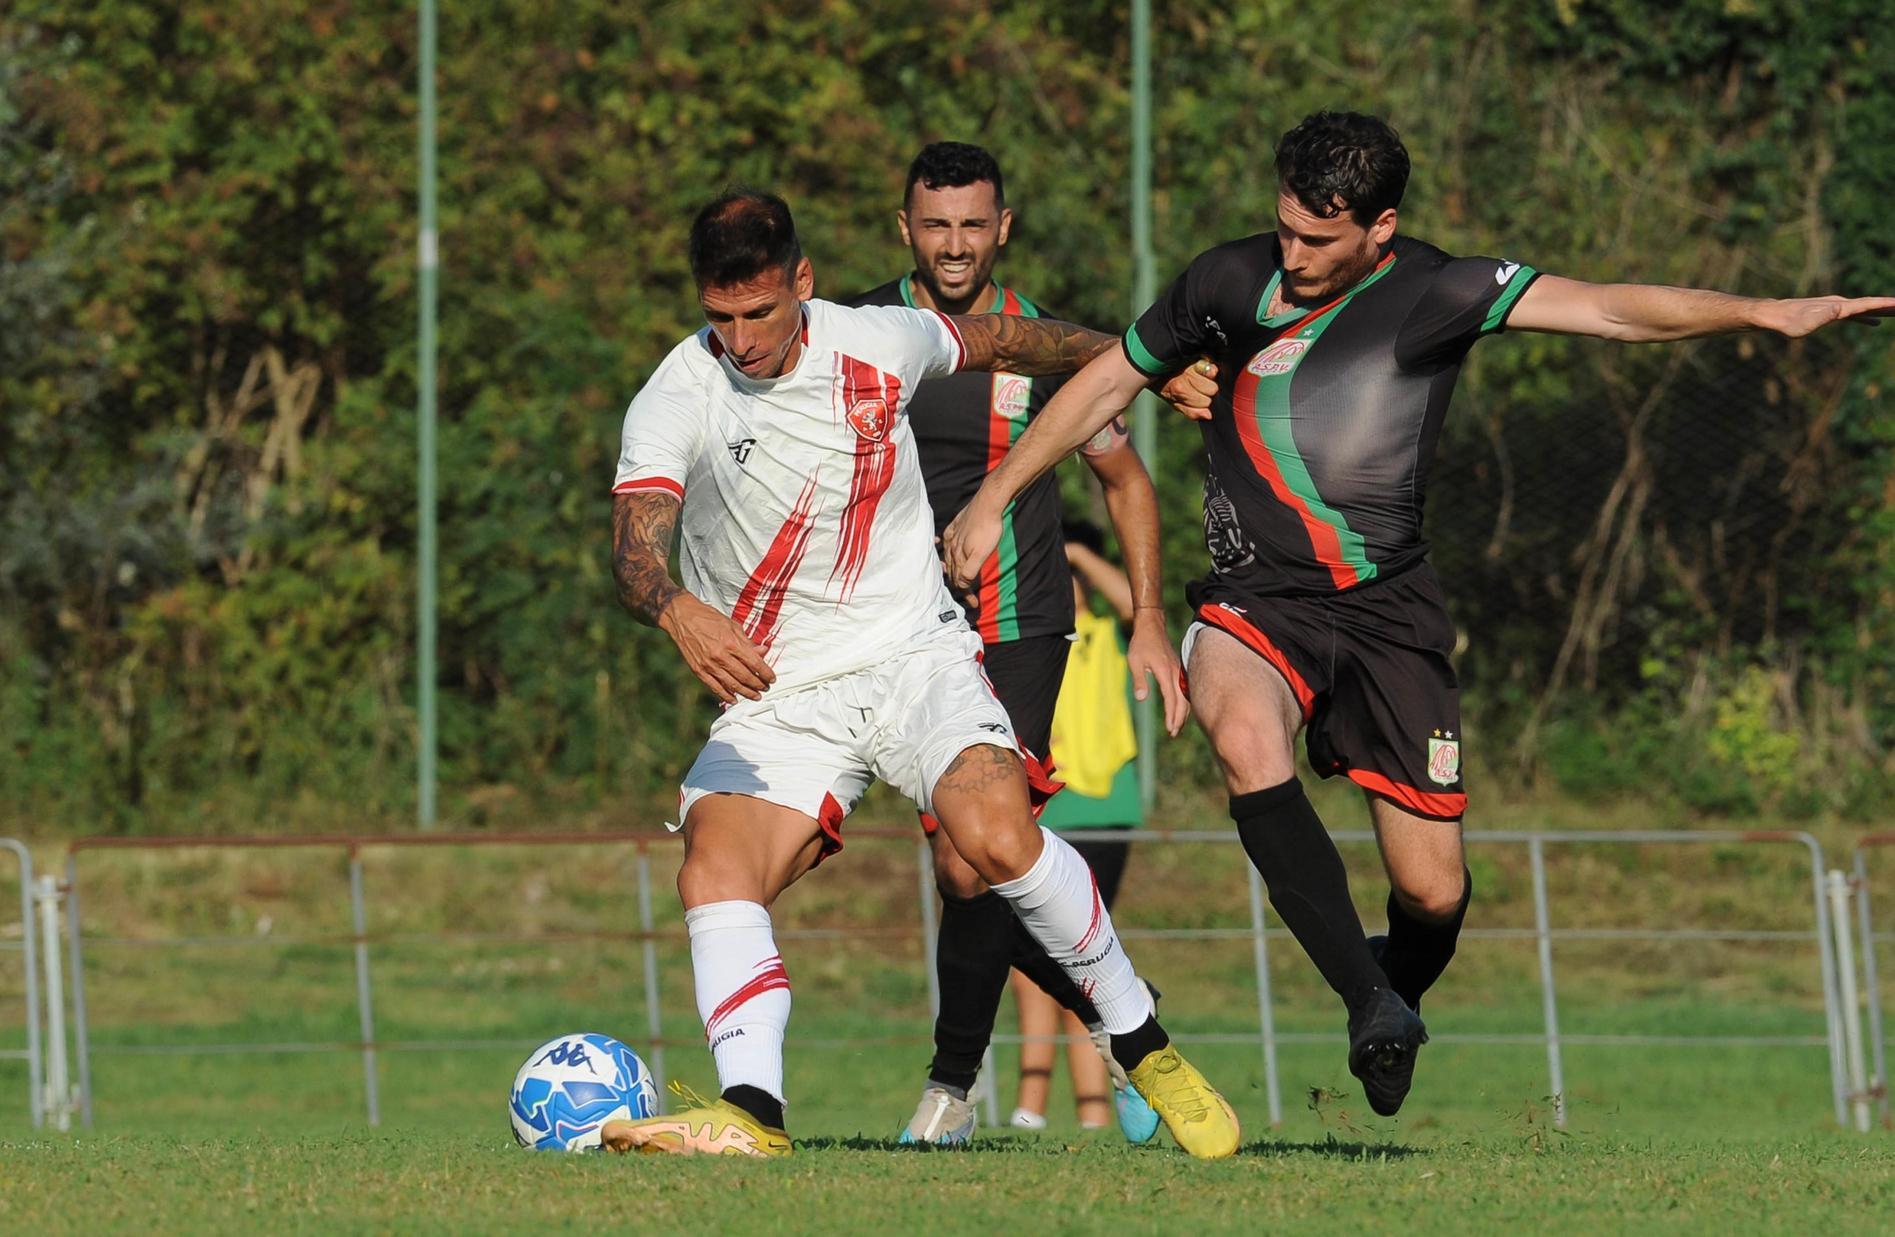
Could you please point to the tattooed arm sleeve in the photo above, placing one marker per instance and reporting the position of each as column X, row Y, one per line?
column 1010, row 343
column 642, row 524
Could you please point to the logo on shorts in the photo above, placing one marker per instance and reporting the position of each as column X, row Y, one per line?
column 870, row 418
column 996, row 727
column 1444, row 759
column 1278, row 358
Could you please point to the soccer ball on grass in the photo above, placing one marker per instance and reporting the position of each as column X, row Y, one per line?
column 571, row 1086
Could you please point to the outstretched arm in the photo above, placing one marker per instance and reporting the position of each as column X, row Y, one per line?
column 1036, row 347
column 1647, row 313
column 1096, row 394
column 716, row 649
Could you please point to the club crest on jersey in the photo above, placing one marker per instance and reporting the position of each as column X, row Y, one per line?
column 1444, row 760
column 870, row 418
column 1278, row 358
column 1011, row 394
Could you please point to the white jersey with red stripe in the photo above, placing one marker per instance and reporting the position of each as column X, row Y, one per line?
column 805, row 518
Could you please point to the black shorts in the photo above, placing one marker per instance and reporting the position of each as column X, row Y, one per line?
column 1025, row 675
column 1106, row 859
column 1370, row 669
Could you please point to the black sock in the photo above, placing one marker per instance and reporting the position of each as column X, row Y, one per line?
column 1417, row 950
column 1032, row 960
column 971, row 957
column 1286, row 841
column 1134, row 1046
column 766, row 1108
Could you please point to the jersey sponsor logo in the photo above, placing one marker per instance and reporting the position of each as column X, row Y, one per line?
column 741, row 449
column 870, row 418
column 1011, row 395
column 1507, row 271
column 1216, row 328
column 1223, row 531
column 1278, row 358
column 1444, row 760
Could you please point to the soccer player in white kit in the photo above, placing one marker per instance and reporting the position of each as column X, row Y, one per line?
column 813, row 605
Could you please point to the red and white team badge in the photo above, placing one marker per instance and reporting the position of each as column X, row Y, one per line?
column 1444, row 759
column 1278, row 358
column 1011, row 395
column 870, row 418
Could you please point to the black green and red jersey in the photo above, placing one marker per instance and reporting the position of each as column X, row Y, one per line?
column 963, row 425
column 1326, row 417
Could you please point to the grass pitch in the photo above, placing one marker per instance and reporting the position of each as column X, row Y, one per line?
column 224, row 951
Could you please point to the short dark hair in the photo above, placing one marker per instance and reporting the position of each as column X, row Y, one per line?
column 1337, row 161
column 946, row 165
column 740, row 235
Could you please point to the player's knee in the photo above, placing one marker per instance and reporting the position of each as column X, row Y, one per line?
column 1002, row 851
column 1433, row 899
column 954, row 877
column 1250, row 758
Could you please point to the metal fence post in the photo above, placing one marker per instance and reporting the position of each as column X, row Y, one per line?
column 1846, row 981
column 1266, row 1012
column 81, row 1030
column 58, row 1089
column 1832, row 1004
column 1872, row 987
column 654, row 1011
column 364, row 1004
column 35, row 1068
column 1549, row 996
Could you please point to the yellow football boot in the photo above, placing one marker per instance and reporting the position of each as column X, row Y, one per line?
column 705, row 1128
column 1190, row 1107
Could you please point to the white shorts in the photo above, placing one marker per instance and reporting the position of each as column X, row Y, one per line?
column 816, row 749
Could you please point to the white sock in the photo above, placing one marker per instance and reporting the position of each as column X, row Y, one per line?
column 1058, row 902
column 743, row 992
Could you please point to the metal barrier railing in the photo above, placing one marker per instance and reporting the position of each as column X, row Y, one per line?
column 35, row 1080
column 1266, row 1037
column 1878, row 1088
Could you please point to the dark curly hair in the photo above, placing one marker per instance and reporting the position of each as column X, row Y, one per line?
column 741, row 234
column 1337, row 161
column 947, row 165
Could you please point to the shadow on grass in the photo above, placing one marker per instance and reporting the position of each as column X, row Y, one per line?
column 979, row 1146
column 1331, row 1148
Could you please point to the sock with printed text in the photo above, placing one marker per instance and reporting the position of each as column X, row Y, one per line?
column 743, row 995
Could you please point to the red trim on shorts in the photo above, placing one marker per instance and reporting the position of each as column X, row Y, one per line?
column 829, row 820
column 650, row 483
column 1420, row 802
column 1228, row 620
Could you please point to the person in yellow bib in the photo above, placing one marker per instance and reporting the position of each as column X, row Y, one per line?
column 1094, row 749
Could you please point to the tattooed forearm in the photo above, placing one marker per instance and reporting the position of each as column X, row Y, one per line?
column 641, row 552
column 1009, row 343
column 977, row 769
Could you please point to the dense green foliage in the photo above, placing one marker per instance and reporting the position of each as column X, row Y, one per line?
column 1674, row 566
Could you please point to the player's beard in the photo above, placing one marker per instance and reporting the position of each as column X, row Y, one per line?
column 1344, row 278
column 980, row 275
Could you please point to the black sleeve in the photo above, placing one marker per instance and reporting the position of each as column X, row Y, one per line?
column 1194, row 315
column 1469, row 298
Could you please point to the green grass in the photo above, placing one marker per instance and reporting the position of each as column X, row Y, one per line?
column 1725, row 1139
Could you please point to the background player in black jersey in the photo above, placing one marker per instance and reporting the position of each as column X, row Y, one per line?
column 955, row 221
column 1337, row 344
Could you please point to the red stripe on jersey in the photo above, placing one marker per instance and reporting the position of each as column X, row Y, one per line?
column 770, row 977
column 760, row 603
column 1322, row 536
column 650, row 483
column 864, row 386
column 960, row 357
column 1422, row 802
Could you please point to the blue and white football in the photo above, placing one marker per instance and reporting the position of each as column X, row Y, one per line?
column 571, row 1086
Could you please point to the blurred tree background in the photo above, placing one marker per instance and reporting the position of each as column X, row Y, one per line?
column 1674, row 566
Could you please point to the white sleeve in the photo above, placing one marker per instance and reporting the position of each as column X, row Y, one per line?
column 663, row 433
column 915, row 343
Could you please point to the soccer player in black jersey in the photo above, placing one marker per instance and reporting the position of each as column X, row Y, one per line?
column 955, row 221
column 1337, row 343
